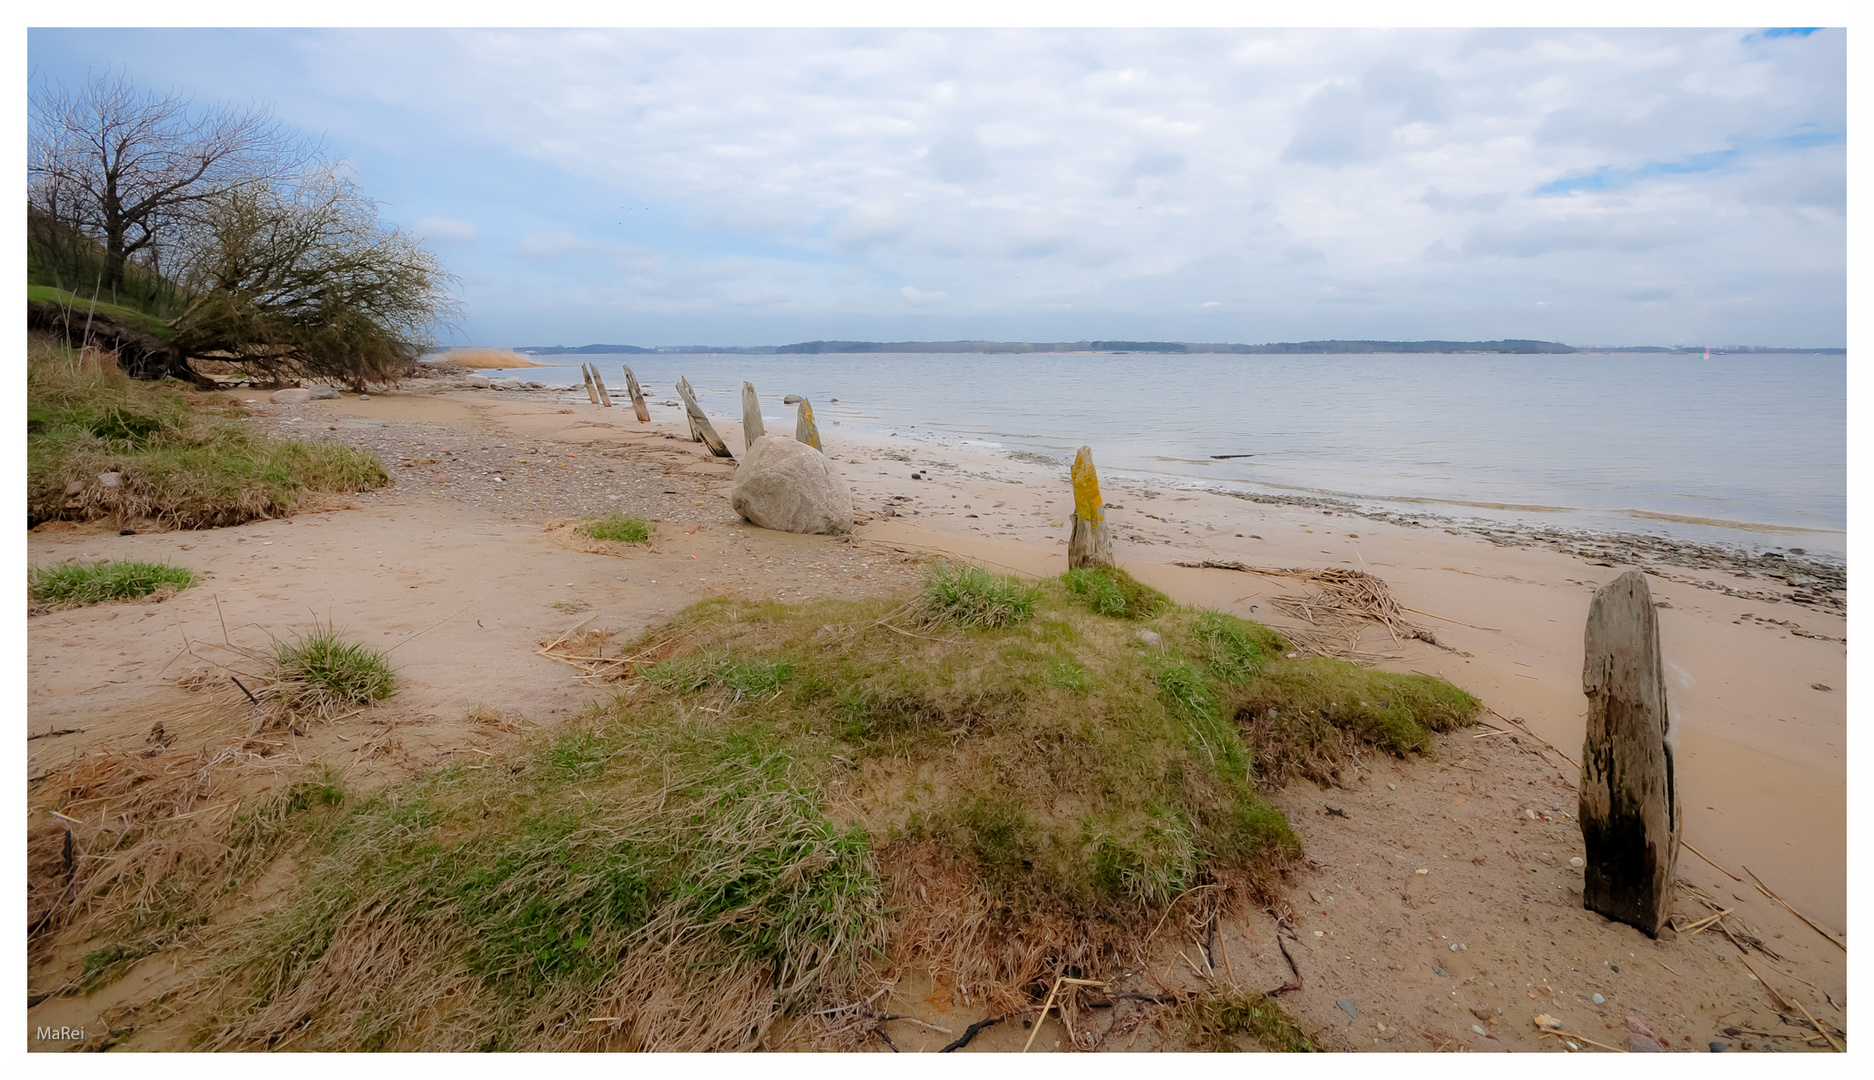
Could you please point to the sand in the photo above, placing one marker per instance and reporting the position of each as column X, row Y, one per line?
column 464, row 576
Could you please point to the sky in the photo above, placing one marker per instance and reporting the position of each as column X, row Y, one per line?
column 747, row 187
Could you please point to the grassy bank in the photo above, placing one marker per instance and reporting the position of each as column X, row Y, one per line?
column 991, row 781
column 175, row 455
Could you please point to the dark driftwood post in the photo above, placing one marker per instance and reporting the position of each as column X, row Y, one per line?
column 598, row 380
column 700, row 423
column 752, row 428
column 591, row 391
column 805, row 430
column 1629, row 801
column 637, row 397
column 1091, row 544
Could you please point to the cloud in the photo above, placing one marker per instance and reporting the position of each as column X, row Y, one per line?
column 556, row 244
column 958, row 158
column 446, row 230
column 1059, row 181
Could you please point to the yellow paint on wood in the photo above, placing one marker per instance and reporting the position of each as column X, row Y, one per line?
column 1087, row 501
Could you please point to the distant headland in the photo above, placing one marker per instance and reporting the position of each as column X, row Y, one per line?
column 1337, row 347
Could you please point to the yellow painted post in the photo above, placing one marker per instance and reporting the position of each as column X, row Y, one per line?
column 1090, row 544
column 804, row 427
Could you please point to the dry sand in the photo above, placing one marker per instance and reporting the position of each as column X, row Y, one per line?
column 456, row 567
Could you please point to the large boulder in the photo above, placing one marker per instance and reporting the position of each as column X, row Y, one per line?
column 323, row 393
column 292, row 395
column 789, row 486
column 479, row 382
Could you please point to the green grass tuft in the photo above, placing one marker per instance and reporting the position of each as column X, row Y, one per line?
column 970, row 596
column 1211, row 1021
column 319, row 671
column 620, row 527
column 77, row 584
column 1114, row 593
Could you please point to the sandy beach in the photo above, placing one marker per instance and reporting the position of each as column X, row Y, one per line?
column 463, row 566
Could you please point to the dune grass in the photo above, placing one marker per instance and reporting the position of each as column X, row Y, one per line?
column 969, row 596
column 1114, row 593
column 81, row 583
column 320, row 673
column 987, row 780
column 622, row 528
column 175, row 461
column 1210, row 1022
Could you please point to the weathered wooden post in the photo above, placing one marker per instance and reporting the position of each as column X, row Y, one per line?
column 752, row 428
column 1091, row 544
column 637, row 397
column 598, row 380
column 699, row 423
column 592, row 392
column 805, row 430
column 1629, row 798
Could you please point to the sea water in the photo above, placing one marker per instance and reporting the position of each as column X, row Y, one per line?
column 1748, row 450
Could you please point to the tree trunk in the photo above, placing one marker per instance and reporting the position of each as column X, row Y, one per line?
column 591, row 391
column 1090, row 544
column 637, row 397
column 598, row 380
column 752, row 427
column 700, row 424
column 1629, row 805
column 805, row 430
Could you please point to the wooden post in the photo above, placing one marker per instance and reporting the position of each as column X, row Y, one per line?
column 1630, row 817
column 1090, row 544
column 804, row 428
column 752, row 428
column 592, row 392
column 605, row 398
column 637, row 397
column 699, row 423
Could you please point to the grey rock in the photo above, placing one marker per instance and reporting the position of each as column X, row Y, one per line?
column 322, row 393
column 479, row 382
column 76, row 487
column 109, row 479
column 292, row 395
column 1150, row 637
column 1599, row 1000
column 1347, row 1007
column 1718, row 1047
column 1640, row 1044
column 510, row 384
column 790, row 487
column 1438, row 971
column 532, row 385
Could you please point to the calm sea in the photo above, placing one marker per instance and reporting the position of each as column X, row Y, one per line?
column 1743, row 450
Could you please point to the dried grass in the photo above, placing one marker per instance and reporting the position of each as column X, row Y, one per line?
column 1341, row 602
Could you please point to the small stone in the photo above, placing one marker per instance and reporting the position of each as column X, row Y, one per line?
column 323, row 393
column 1436, row 970
column 1599, row 1000
column 1479, row 1029
column 109, row 479
column 1150, row 637
column 1578, row 862
column 1616, row 969
column 1392, row 787
column 1423, row 870
column 1347, row 1007
column 1717, row 1047
column 364, row 397
column 76, row 487
column 1820, row 686
column 1640, row 1044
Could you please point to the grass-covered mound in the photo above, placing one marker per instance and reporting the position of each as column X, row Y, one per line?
column 175, row 460
column 77, row 584
column 622, row 528
column 988, row 780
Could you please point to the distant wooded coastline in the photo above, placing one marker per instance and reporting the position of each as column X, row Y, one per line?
column 1335, row 347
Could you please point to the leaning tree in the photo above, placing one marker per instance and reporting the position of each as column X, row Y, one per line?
column 302, row 279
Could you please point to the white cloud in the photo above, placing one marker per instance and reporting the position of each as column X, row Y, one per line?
column 446, row 230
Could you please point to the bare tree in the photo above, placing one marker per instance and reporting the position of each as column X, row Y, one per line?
column 127, row 168
column 300, row 278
